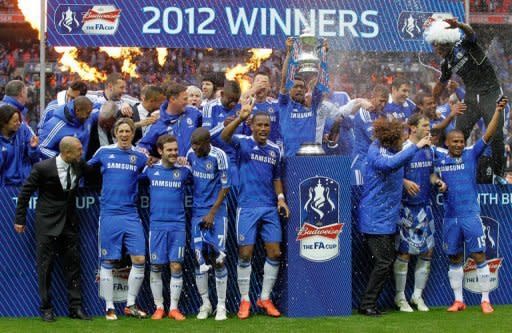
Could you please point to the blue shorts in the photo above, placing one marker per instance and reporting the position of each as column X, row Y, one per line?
column 214, row 238
column 416, row 230
column 119, row 230
column 167, row 245
column 249, row 219
column 467, row 231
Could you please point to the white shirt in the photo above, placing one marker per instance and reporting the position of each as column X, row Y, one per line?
column 327, row 110
column 143, row 114
column 62, row 170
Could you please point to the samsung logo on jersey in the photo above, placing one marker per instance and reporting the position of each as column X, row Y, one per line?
column 264, row 159
column 421, row 164
column 453, row 167
column 203, row 175
column 166, row 183
column 122, row 166
column 301, row 115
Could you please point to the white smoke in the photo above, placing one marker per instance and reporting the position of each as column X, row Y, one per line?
column 437, row 33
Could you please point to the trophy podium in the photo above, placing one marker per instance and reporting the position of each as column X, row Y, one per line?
column 317, row 277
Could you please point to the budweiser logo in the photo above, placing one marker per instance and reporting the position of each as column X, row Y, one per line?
column 110, row 16
column 494, row 265
column 330, row 231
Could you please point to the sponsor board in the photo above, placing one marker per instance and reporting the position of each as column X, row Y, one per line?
column 320, row 224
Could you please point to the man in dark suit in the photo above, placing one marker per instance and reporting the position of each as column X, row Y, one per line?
column 56, row 180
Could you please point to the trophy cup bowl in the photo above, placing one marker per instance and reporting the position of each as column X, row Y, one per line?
column 308, row 60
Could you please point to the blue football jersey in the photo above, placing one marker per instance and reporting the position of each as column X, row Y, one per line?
column 419, row 170
column 214, row 114
column 271, row 107
column 167, row 194
column 259, row 166
column 363, row 132
column 297, row 122
column 121, row 170
column 210, row 174
column 459, row 174
column 400, row 111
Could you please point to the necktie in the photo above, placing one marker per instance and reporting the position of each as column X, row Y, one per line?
column 109, row 138
column 68, row 179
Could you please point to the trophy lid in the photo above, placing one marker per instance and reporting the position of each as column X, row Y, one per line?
column 310, row 149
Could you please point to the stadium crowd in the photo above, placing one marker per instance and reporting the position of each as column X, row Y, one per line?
column 184, row 123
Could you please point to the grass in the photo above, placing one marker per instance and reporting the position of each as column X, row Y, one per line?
column 437, row 320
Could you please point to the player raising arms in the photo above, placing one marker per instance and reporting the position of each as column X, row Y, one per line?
column 261, row 196
column 462, row 225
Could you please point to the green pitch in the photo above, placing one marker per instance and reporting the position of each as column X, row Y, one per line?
column 436, row 321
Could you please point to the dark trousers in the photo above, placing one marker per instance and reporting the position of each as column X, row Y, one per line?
column 66, row 247
column 382, row 249
column 483, row 106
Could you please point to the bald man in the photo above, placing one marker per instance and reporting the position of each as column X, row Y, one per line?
column 56, row 180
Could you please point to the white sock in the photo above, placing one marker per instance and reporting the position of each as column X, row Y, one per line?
column 483, row 273
column 176, row 286
column 221, row 283
column 244, row 278
column 135, row 280
column 455, row 275
column 107, row 284
column 202, row 286
column 155, row 282
column 270, row 271
column 421, row 273
column 400, row 267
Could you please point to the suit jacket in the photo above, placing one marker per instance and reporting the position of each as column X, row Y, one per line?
column 55, row 207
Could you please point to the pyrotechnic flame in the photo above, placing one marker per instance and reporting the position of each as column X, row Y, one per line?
column 162, row 55
column 114, row 52
column 69, row 62
column 239, row 72
column 31, row 9
column 127, row 54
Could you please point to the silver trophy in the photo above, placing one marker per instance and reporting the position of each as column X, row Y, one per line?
column 308, row 60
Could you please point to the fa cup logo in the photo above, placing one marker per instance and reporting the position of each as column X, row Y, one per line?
column 68, row 20
column 319, row 201
column 320, row 224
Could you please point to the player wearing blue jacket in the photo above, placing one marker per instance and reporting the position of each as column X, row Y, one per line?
column 462, row 227
column 416, row 226
column 16, row 94
column 18, row 147
column 167, row 236
column 176, row 119
column 120, row 225
column 380, row 202
column 76, row 88
column 73, row 119
column 261, row 197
